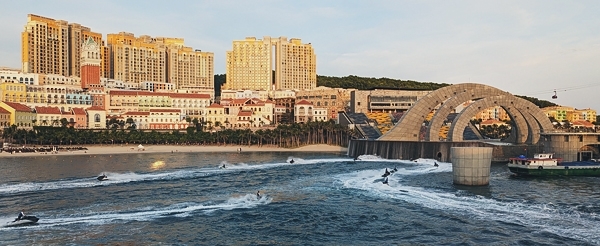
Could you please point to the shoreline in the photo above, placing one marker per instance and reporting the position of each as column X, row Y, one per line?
column 134, row 149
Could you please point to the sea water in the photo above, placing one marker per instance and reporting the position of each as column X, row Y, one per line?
column 320, row 199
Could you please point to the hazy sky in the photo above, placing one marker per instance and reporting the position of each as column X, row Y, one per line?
column 524, row 47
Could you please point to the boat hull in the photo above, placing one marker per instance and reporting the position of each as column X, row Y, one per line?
column 556, row 170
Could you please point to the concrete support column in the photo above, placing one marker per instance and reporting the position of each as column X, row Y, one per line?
column 471, row 165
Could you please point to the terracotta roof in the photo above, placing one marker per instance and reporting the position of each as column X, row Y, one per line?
column 47, row 110
column 583, row 123
column 136, row 93
column 79, row 111
column 4, row 111
column 492, row 122
column 190, row 95
column 149, row 93
column 166, row 110
column 215, row 105
column 245, row 113
column 18, row 107
column 97, row 108
column 303, row 102
column 137, row 113
column 239, row 101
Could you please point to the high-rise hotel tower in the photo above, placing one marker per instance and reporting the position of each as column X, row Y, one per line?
column 159, row 59
column 54, row 46
column 251, row 63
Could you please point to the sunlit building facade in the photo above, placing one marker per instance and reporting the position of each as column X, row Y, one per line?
column 160, row 59
column 270, row 64
column 52, row 46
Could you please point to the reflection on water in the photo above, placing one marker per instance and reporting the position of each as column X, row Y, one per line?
column 157, row 165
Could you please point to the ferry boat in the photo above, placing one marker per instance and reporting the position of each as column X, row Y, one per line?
column 547, row 165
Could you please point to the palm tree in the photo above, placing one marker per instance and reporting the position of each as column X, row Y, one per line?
column 64, row 122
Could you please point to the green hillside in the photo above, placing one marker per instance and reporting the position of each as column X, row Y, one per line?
column 364, row 83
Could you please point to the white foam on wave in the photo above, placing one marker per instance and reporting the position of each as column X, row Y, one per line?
column 376, row 158
column 120, row 178
column 299, row 161
column 561, row 220
column 247, row 201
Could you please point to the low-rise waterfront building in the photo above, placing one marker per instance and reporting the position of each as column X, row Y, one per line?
column 96, row 117
column 11, row 91
column 48, row 116
column 333, row 99
column 304, row 111
column 20, row 115
column 383, row 100
column 16, row 76
column 214, row 115
column 4, row 118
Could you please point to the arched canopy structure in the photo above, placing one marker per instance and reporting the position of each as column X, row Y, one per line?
column 527, row 130
column 528, row 118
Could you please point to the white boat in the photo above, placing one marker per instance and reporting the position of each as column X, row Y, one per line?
column 547, row 165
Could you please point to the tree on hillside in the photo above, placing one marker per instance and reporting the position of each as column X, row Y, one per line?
column 538, row 102
column 363, row 83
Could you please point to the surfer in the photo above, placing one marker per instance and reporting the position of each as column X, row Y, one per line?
column 435, row 164
column 223, row 167
column 258, row 195
column 385, row 181
column 292, row 161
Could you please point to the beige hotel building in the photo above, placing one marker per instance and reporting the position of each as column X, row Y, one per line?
column 160, row 59
column 251, row 62
column 53, row 46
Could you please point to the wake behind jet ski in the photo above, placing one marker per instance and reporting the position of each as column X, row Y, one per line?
column 102, row 177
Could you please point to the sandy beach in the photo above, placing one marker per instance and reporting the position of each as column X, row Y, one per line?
column 133, row 149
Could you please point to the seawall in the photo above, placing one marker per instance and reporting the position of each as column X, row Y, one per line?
column 407, row 150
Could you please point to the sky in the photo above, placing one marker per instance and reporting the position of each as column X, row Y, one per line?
column 530, row 47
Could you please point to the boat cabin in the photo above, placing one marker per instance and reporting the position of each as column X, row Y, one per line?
column 546, row 159
column 543, row 156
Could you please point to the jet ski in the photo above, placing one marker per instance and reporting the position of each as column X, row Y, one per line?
column 387, row 173
column 292, row 161
column 26, row 220
column 102, row 178
column 222, row 167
